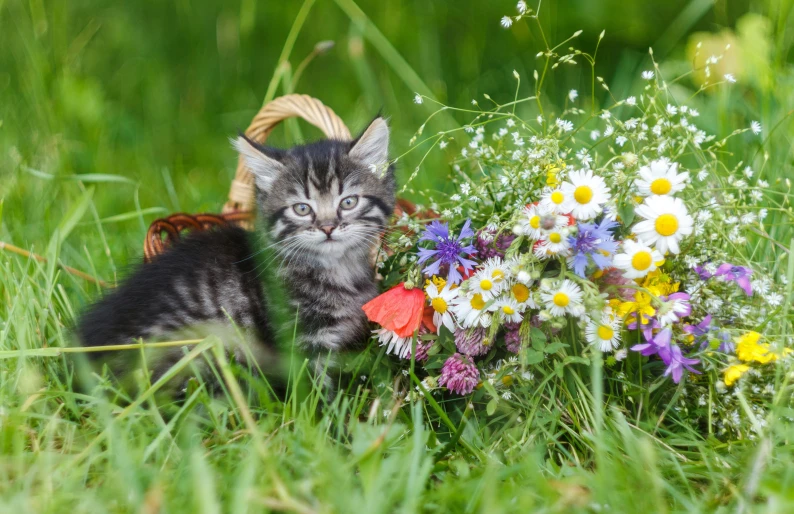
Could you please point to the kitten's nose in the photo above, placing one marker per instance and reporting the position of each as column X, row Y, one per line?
column 327, row 229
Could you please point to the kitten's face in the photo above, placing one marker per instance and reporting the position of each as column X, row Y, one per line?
column 328, row 198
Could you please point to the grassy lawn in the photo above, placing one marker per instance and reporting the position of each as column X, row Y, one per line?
column 115, row 114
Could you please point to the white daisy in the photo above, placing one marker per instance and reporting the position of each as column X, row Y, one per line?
column 470, row 311
column 441, row 302
column 522, row 295
column 661, row 178
column 396, row 345
column 498, row 269
column 584, row 193
column 637, row 259
column 666, row 223
column 509, row 308
column 604, row 332
column 552, row 244
column 539, row 220
column 563, row 298
column 485, row 284
column 553, row 200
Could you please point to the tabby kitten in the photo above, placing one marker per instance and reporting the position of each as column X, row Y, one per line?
column 323, row 206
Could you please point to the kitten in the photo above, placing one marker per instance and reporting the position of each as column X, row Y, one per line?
column 323, row 206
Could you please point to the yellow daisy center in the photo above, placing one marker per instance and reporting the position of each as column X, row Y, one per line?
column 667, row 224
column 661, row 186
column 477, row 302
column 561, row 299
column 555, row 237
column 641, row 260
column 583, row 194
column 605, row 332
column 557, row 197
column 486, row 284
column 439, row 305
column 497, row 274
column 520, row 292
column 534, row 221
column 508, row 310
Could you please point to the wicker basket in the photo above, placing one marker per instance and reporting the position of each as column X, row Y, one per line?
column 239, row 208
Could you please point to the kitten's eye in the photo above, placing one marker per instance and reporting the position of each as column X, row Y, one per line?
column 349, row 202
column 301, row 209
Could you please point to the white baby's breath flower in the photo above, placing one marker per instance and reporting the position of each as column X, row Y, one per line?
column 632, row 100
column 510, row 122
column 521, row 6
column 594, row 135
column 672, row 110
column 730, row 78
column 442, row 144
column 621, row 140
column 418, row 98
column 572, row 94
column 565, row 125
column 506, row 21
column 647, row 74
column 755, row 127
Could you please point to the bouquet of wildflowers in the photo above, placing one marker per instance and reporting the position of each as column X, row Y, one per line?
column 615, row 240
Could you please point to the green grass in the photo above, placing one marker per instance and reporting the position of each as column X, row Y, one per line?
column 114, row 114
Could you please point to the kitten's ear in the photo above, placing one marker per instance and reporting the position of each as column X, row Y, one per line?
column 372, row 147
column 264, row 167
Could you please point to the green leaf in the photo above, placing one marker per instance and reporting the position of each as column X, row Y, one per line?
column 538, row 338
column 74, row 215
column 490, row 388
column 626, row 213
column 575, row 359
column 100, row 177
column 555, row 347
column 491, row 407
column 133, row 214
column 534, row 356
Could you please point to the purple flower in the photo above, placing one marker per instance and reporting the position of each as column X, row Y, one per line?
column 647, row 325
column 422, row 348
column 703, row 273
column 738, row 274
column 512, row 337
column 471, row 341
column 670, row 354
column 592, row 242
column 459, row 374
column 677, row 363
column 726, row 342
column 490, row 245
column 700, row 331
column 449, row 250
column 659, row 344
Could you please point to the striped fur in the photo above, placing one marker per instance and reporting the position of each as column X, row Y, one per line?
column 323, row 205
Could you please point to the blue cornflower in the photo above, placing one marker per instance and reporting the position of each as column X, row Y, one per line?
column 594, row 241
column 449, row 250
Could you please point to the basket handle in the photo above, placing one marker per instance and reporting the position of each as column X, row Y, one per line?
column 242, row 191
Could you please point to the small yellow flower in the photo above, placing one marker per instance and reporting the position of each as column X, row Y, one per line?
column 734, row 373
column 641, row 306
column 551, row 175
column 660, row 283
column 748, row 349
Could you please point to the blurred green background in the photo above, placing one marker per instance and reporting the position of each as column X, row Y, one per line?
column 150, row 91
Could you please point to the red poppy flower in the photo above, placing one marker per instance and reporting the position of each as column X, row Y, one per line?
column 427, row 319
column 398, row 309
